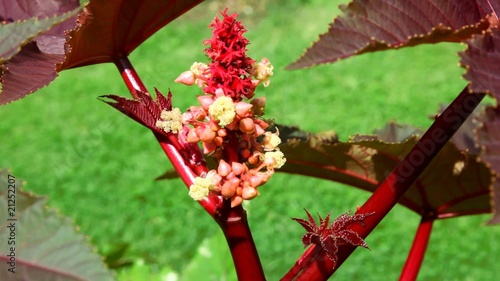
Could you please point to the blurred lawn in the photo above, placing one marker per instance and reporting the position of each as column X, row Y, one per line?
column 97, row 166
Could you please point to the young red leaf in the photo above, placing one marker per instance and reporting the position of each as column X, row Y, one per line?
column 119, row 27
column 143, row 110
column 34, row 66
column 488, row 138
column 330, row 236
column 368, row 26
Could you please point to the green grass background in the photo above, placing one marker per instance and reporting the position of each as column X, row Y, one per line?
column 97, row 166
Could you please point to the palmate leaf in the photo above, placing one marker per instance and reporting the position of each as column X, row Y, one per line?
column 112, row 28
column 375, row 25
column 481, row 60
column 330, row 236
column 29, row 65
column 47, row 245
column 16, row 34
column 145, row 110
column 454, row 184
column 488, row 138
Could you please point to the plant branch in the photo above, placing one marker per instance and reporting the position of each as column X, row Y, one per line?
column 418, row 248
column 394, row 186
column 234, row 224
column 169, row 144
column 232, row 221
column 130, row 77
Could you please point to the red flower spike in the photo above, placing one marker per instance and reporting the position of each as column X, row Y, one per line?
column 231, row 69
column 330, row 237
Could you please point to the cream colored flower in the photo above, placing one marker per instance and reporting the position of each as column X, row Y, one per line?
column 198, row 68
column 270, row 141
column 276, row 157
column 200, row 188
column 170, row 121
column 223, row 109
column 263, row 70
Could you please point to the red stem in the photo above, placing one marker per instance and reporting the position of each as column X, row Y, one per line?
column 232, row 221
column 234, row 224
column 132, row 80
column 169, row 144
column 395, row 185
column 417, row 252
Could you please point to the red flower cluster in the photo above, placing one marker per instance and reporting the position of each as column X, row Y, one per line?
column 231, row 69
column 230, row 129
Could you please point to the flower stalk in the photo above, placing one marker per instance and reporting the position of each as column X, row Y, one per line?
column 228, row 128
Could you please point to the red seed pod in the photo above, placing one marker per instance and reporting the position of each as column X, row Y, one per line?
column 207, row 135
column 245, row 153
column 247, row 126
column 192, row 136
column 258, row 131
column 186, row 78
column 256, row 181
column 261, row 123
column 222, row 132
column 227, row 190
column 238, row 168
column 205, row 101
column 235, row 182
column 242, row 109
column 214, row 126
column 236, row 201
column 218, row 141
column 249, row 193
column 224, row 168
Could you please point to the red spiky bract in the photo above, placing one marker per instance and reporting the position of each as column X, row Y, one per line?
column 330, row 236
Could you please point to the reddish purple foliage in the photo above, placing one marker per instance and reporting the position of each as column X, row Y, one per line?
column 144, row 110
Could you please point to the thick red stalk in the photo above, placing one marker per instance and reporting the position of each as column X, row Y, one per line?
column 130, row 77
column 234, row 224
column 417, row 251
column 233, row 221
column 394, row 186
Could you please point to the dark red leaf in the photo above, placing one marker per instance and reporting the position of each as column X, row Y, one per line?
column 144, row 110
column 35, row 64
column 481, row 59
column 488, row 138
column 323, row 223
column 330, row 245
column 309, row 225
column 308, row 238
column 375, row 25
column 352, row 238
column 118, row 27
column 329, row 237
